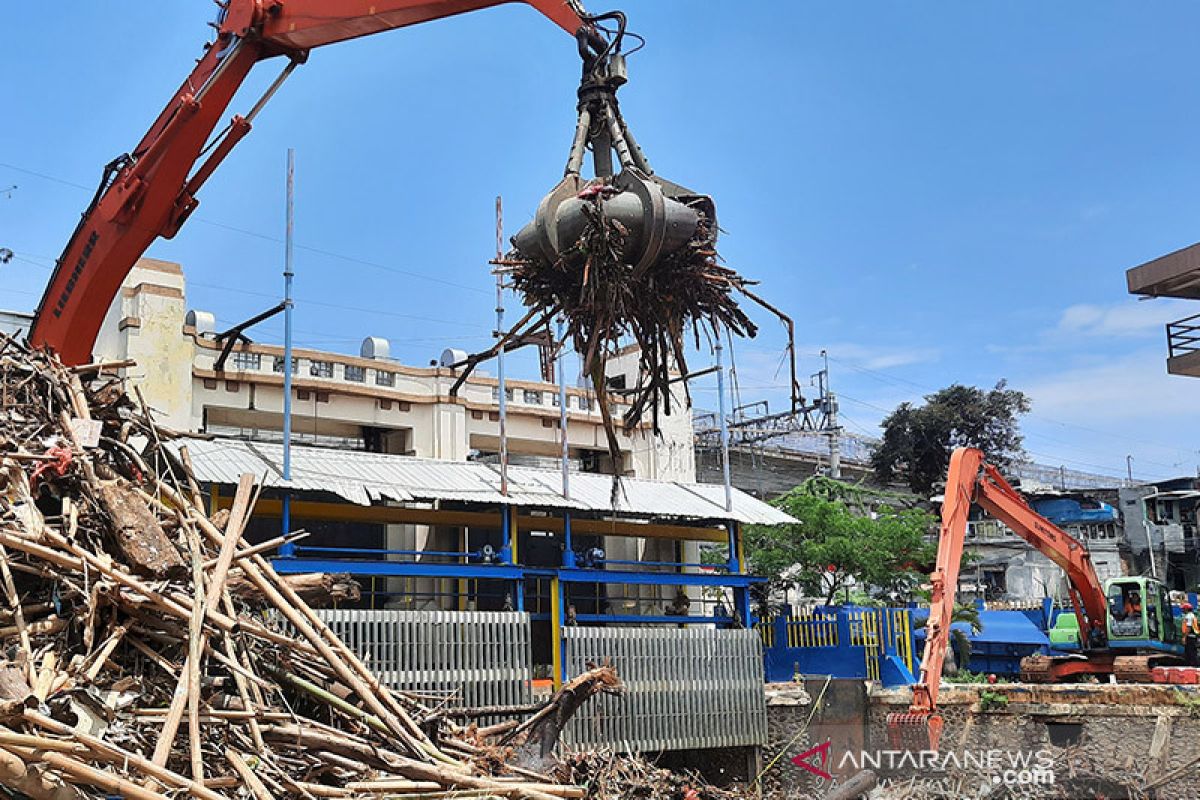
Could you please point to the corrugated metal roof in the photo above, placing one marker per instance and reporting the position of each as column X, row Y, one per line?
column 364, row 478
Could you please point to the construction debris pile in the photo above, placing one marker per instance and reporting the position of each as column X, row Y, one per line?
column 609, row 776
column 607, row 300
column 131, row 668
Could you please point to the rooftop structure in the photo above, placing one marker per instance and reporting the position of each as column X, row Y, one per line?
column 1176, row 274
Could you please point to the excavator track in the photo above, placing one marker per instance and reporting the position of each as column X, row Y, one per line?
column 1064, row 668
column 1133, row 669
column 1037, row 669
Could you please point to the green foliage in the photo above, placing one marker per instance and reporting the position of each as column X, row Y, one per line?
column 1189, row 702
column 992, row 701
column 967, row 677
column 917, row 440
column 835, row 544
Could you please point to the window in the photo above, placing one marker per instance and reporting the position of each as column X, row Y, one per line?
column 277, row 364
column 385, row 404
column 554, row 399
column 383, row 378
column 303, row 394
column 508, row 394
column 355, row 374
column 476, row 415
column 585, row 403
column 322, row 397
column 321, row 369
column 404, row 406
column 232, row 386
column 210, row 383
column 247, row 361
column 532, row 397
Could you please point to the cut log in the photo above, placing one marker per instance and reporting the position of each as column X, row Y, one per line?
column 317, row 588
column 139, row 535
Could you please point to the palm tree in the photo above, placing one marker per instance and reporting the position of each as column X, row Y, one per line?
column 958, row 655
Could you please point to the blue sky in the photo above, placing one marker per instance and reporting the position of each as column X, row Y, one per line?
column 936, row 192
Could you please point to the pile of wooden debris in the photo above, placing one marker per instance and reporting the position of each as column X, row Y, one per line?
column 609, row 776
column 149, row 651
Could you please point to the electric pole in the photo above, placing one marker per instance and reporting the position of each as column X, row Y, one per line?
column 830, row 409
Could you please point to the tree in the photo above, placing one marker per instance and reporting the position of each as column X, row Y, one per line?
column 839, row 542
column 918, row 440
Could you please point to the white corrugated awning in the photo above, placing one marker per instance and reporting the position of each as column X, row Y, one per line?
column 364, row 478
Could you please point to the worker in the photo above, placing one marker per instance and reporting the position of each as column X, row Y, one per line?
column 1133, row 605
column 1191, row 635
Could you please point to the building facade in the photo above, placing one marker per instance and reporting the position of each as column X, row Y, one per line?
column 348, row 406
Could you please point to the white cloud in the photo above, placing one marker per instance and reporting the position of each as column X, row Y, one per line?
column 877, row 356
column 1125, row 319
column 1132, row 388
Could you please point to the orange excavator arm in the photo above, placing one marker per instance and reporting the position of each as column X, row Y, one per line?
column 151, row 191
column 971, row 480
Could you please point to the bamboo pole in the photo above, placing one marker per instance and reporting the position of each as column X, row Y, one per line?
column 188, row 684
column 120, row 755
column 247, row 775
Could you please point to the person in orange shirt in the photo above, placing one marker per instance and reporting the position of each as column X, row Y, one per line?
column 1133, row 605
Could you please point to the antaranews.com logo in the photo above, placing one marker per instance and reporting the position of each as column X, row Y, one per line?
column 1007, row 767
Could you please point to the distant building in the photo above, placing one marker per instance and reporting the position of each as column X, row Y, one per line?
column 1160, row 528
column 1008, row 568
column 15, row 323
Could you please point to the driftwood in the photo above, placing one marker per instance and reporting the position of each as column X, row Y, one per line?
column 536, row 738
column 854, row 787
column 139, row 535
column 184, row 663
column 317, row 588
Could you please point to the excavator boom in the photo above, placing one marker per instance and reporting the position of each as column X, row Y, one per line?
column 971, row 480
column 151, row 191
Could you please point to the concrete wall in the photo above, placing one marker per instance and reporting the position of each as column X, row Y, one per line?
column 1097, row 740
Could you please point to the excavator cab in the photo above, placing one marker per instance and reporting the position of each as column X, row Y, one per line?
column 1140, row 615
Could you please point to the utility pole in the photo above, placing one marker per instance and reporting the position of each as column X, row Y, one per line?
column 724, row 428
column 500, row 356
column 288, row 549
column 830, row 408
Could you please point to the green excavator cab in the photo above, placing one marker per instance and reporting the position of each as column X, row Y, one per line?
column 1140, row 614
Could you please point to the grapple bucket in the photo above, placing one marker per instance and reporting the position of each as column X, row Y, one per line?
column 914, row 730
column 658, row 217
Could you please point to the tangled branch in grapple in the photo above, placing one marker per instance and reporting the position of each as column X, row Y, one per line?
column 606, row 300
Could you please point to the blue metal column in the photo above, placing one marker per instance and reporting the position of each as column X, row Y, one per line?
column 288, row 549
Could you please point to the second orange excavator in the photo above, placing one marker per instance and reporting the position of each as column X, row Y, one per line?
column 1122, row 627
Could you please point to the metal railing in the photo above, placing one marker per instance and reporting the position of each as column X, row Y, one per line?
column 685, row 689
column 467, row 658
column 1183, row 336
column 848, row 642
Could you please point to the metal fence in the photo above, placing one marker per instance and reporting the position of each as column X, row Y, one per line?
column 686, row 688
column 471, row 658
column 849, row 642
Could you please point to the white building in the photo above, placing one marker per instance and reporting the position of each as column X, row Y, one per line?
column 374, row 403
